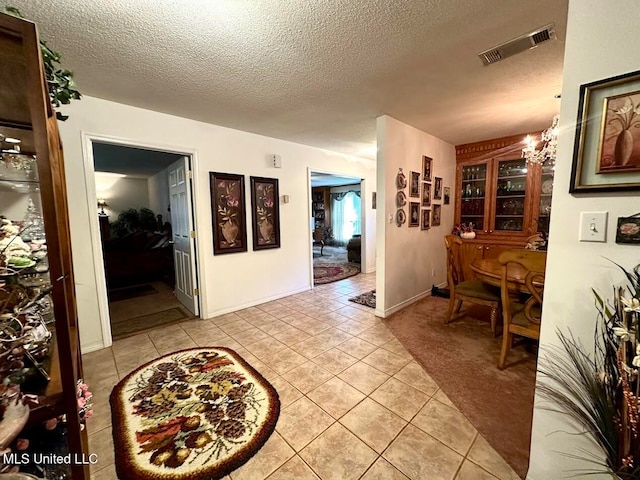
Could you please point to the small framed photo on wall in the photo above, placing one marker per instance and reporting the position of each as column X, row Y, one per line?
column 426, row 168
column 435, row 221
column 414, row 214
column 426, row 218
column 414, row 190
column 447, row 195
column 426, row 194
column 437, row 189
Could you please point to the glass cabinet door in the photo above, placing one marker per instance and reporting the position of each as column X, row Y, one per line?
column 474, row 185
column 546, row 189
column 511, row 185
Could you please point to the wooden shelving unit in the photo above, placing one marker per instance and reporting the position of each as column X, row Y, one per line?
column 501, row 195
column 26, row 115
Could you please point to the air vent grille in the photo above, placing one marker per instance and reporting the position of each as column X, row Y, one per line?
column 540, row 37
column 518, row 45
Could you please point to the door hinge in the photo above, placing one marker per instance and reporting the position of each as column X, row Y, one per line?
column 189, row 174
column 192, row 234
column 196, row 292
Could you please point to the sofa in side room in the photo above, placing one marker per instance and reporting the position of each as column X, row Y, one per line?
column 354, row 249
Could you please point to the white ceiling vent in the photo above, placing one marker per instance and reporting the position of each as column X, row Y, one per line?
column 518, row 45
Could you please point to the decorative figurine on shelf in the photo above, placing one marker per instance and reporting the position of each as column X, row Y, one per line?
column 33, row 224
column 464, row 230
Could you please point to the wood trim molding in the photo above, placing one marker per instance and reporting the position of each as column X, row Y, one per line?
column 477, row 149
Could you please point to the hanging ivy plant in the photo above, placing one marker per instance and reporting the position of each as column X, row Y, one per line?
column 60, row 84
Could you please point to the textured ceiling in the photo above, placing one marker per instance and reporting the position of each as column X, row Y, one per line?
column 315, row 72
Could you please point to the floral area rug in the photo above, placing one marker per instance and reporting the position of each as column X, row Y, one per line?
column 332, row 272
column 195, row 414
column 368, row 299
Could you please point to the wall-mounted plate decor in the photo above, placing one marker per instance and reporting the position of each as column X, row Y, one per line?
column 401, row 180
column 401, row 199
column 401, row 217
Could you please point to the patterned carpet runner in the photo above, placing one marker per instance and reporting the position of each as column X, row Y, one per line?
column 195, row 414
column 368, row 299
column 332, row 272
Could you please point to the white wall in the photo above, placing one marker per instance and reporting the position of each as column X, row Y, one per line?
column 159, row 194
column 407, row 255
column 599, row 36
column 122, row 194
column 227, row 282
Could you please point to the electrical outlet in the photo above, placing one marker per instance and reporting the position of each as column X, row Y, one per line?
column 433, row 272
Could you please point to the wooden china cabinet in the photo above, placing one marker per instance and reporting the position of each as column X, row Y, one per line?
column 506, row 199
column 33, row 204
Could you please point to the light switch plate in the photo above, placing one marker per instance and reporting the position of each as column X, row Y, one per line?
column 593, row 227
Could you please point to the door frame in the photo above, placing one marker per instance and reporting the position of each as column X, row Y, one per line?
column 88, row 139
column 363, row 218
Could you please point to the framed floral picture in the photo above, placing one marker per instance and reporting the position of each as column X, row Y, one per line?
column 426, row 168
column 606, row 155
column 228, row 213
column 265, row 213
column 426, row 220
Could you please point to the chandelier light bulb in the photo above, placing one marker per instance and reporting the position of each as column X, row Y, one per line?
column 549, row 144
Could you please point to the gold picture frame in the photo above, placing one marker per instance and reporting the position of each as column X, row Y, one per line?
column 603, row 161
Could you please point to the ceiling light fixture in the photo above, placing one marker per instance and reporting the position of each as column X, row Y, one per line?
column 548, row 150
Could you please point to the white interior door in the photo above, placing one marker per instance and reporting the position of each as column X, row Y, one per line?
column 183, row 234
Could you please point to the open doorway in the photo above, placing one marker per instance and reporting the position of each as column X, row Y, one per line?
column 336, row 225
column 145, row 215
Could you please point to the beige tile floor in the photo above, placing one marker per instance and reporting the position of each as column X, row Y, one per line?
column 354, row 405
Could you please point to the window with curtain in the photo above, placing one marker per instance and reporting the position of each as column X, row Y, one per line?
column 345, row 215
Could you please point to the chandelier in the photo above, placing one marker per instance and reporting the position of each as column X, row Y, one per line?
column 548, row 150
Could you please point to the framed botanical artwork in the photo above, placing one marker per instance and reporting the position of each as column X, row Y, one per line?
column 265, row 213
column 414, row 190
column 414, row 214
column 435, row 221
column 606, row 154
column 437, row 188
column 426, row 194
column 447, row 195
column 426, row 219
column 228, row 213
column 426, row 168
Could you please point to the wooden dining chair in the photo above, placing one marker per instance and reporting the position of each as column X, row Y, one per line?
column 521, row 316
column 461, row 290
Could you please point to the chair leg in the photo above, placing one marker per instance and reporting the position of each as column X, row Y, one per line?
column 494, row 320
column 507, row 339
column 459, row 307
column 321, row 247
column 452, row 302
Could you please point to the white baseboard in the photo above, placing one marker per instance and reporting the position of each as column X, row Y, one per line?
column 92, row 347
column 253, row 303
column 371, row 270
column 396, row 308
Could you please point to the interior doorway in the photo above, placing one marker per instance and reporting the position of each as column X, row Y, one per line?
column 337, row 224
column 145, row 213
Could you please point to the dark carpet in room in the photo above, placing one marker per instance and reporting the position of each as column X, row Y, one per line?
column 462, row 357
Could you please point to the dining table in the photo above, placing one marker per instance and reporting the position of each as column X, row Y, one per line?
column 489, row 270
